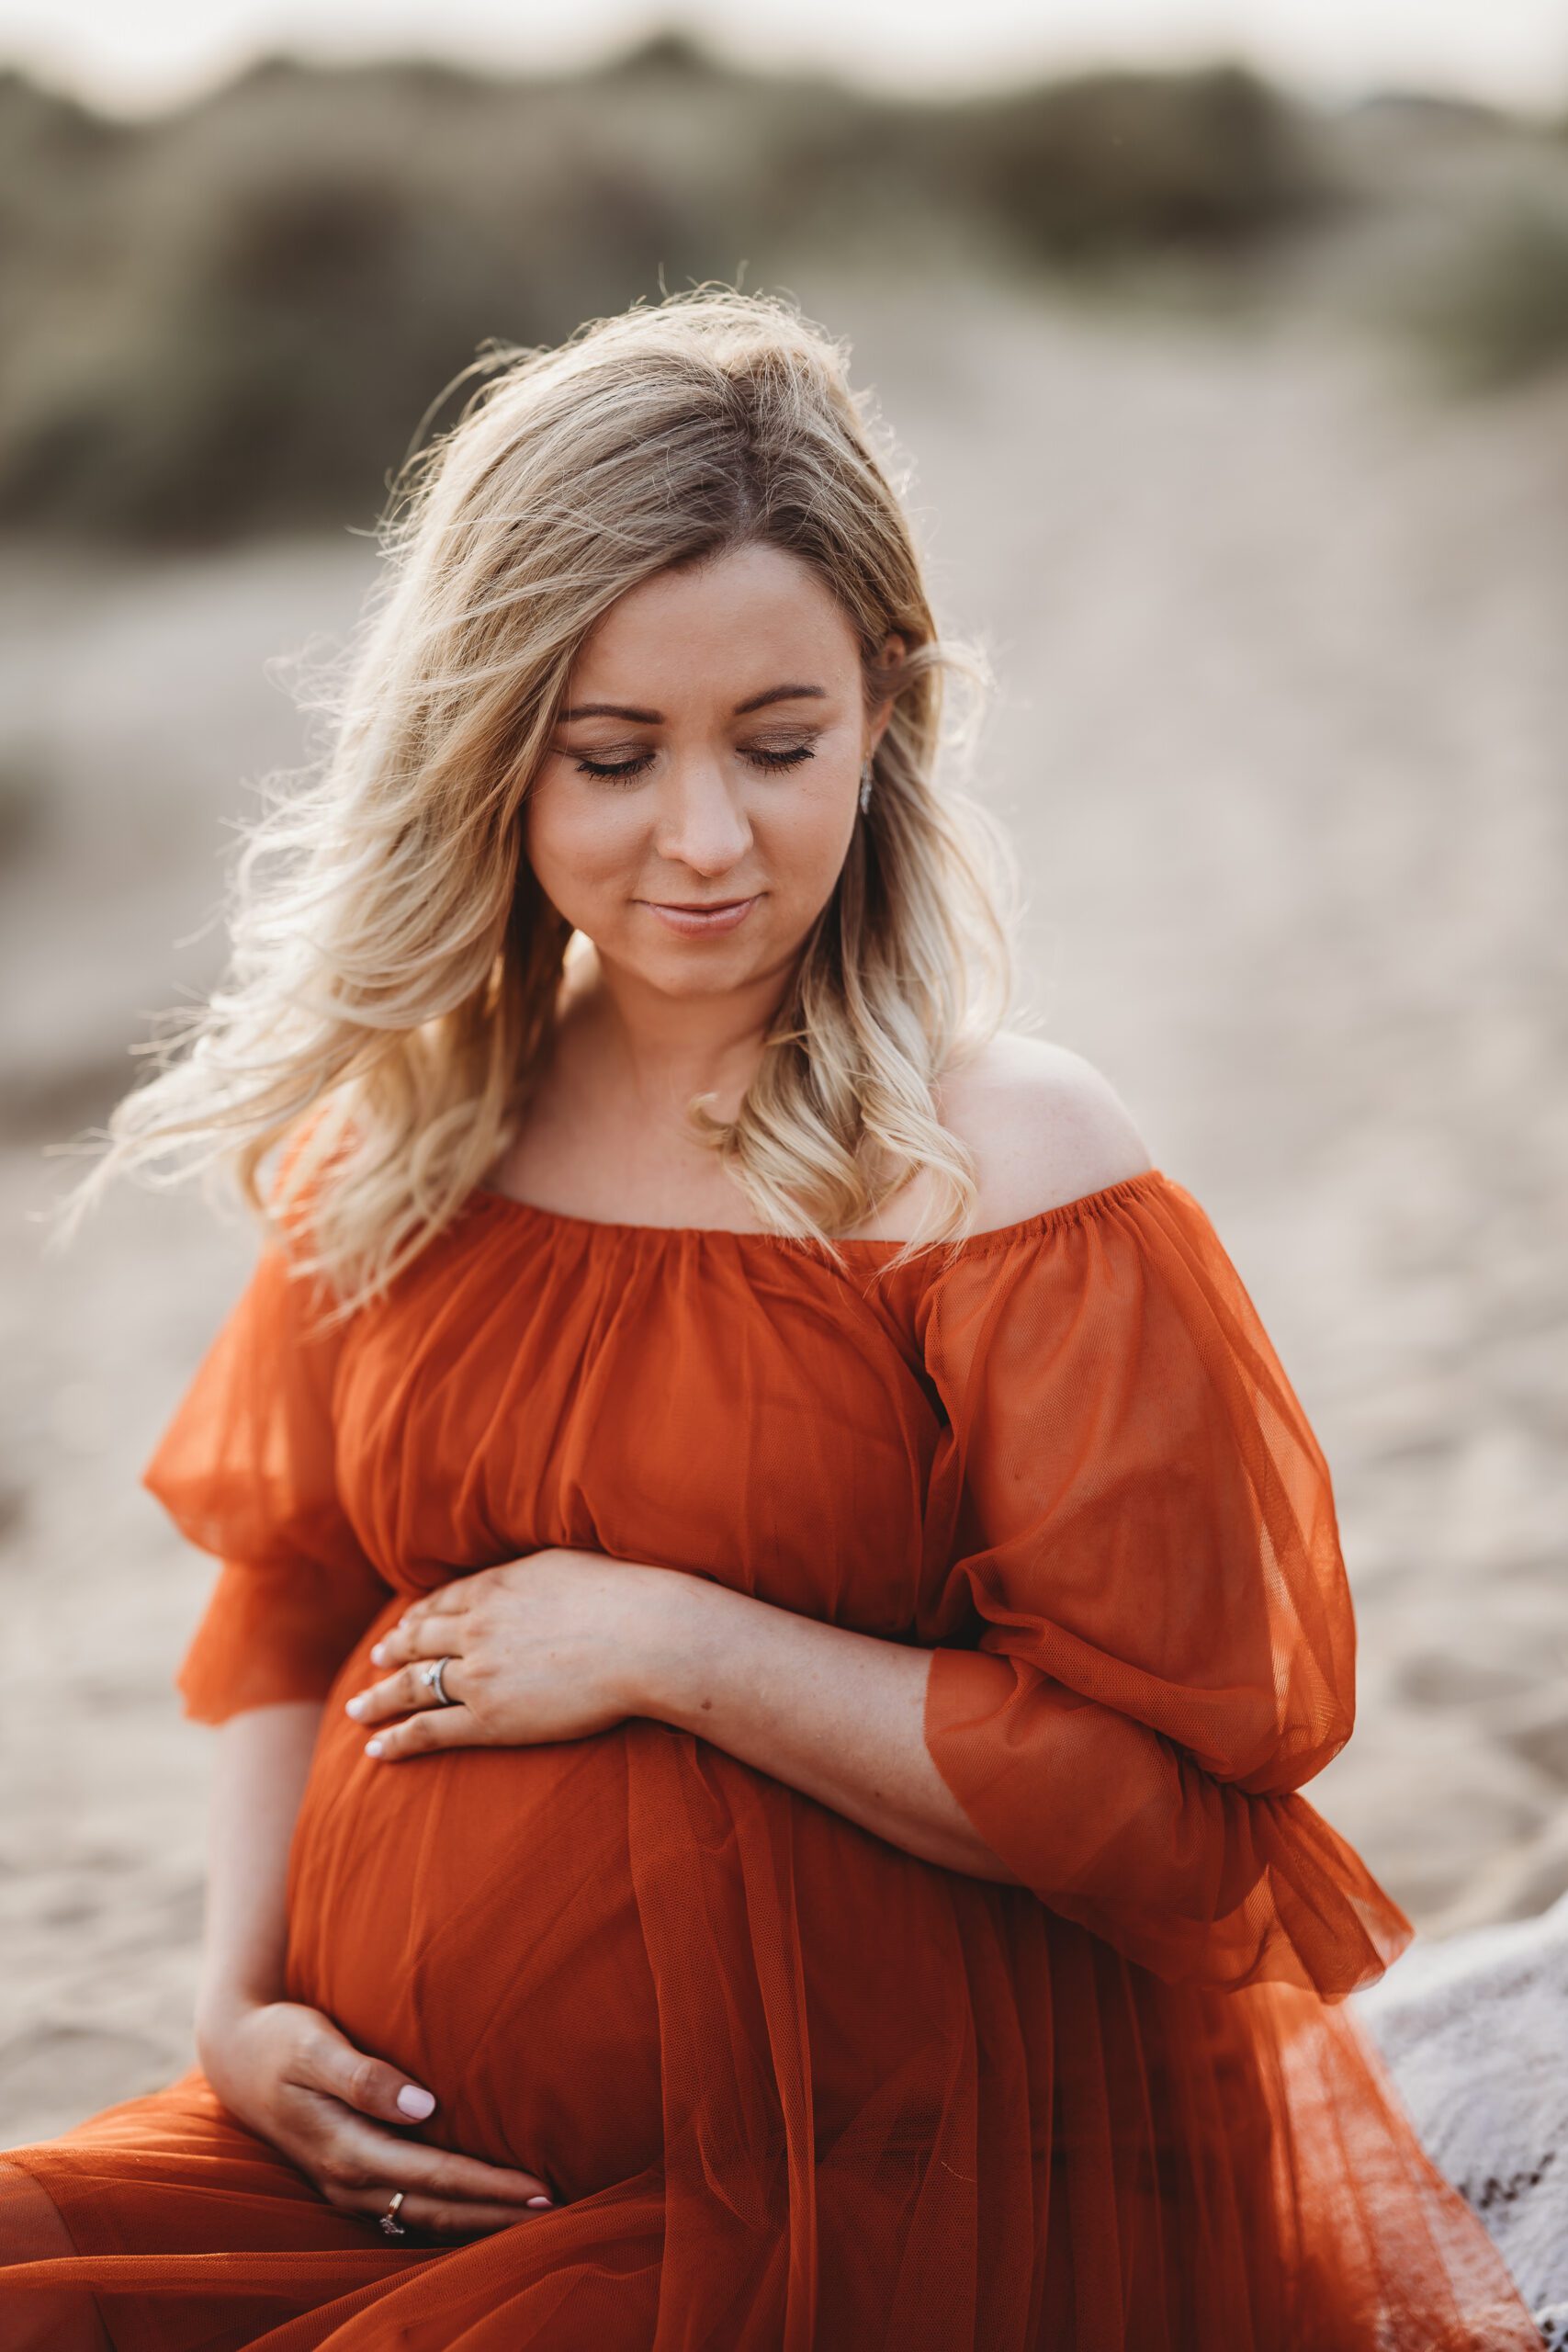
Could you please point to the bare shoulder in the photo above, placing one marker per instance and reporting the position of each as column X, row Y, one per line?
column 1044, row 1126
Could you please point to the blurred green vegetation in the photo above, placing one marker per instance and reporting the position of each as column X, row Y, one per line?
column 1095, row 165
column 1496, row 312
column 232, row 318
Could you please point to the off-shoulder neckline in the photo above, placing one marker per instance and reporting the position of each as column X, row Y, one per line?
column 1042, row 1221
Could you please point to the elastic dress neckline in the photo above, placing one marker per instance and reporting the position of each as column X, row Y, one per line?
column 1040, row 1222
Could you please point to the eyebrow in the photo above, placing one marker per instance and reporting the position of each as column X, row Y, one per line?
column 656, row 718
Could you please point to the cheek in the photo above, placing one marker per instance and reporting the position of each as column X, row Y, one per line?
column 580, row 853
column 804, row 844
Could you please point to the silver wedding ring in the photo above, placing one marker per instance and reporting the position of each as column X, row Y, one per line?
column 430, row 1674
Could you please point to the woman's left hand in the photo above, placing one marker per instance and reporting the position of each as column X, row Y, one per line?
column 554, row 1645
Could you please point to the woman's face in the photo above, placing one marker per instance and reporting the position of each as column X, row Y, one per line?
column 707, row 758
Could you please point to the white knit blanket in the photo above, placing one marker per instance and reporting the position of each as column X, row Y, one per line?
column 1474, row 2031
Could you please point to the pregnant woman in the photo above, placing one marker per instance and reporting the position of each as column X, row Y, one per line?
column 776, row 1601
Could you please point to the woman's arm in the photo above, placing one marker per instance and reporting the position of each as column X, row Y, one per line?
column 836, row 1714
column 264, row 1756
column 562, row 1644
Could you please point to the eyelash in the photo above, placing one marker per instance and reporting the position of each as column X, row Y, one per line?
column 629, row 768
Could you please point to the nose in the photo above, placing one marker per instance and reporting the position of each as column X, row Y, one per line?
column 700, row 823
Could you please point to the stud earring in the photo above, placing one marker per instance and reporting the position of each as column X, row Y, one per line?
column 865, row 788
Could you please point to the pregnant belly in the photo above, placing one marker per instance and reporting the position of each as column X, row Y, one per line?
column 470, row 1915
column 633, row 1950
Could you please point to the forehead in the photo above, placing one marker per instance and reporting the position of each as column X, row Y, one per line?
column 753, row 609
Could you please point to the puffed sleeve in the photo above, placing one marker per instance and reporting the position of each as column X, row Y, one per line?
column 1145, row 1642
column 246, row 1469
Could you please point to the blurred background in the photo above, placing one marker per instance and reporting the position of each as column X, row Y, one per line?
column 1230, row 348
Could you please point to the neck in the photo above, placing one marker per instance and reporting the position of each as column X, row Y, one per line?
column 666, row 1048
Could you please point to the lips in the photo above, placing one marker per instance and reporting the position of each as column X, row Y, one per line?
column 700, row 919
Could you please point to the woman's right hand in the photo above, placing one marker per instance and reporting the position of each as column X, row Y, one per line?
column 288, row 2072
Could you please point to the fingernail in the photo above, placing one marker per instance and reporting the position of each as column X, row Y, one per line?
column 354, row 1706
column 378, row 1653
column 373, row 1747
column 413, row 2101
column 540, row 2200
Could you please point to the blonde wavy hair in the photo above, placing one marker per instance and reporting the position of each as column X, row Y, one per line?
column 395, row 967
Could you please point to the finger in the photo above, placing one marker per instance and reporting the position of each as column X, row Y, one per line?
column 350, row 2155
column 359, row 2155
column 327, row 2061
column 368, row 2086
column 431, row 1727
column 441, row 1600
column 440, row 1634
column 439, row 2217
column 398, row 1694
column 402, row 1640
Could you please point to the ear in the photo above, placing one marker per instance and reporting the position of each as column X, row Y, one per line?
column 892, row 653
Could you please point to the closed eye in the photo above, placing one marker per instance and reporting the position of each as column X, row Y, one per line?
column 625, row 767
column 792, row 759
column 759, row 756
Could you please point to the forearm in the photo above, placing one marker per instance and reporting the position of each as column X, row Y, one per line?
column 264, row 1757
column 838, row 1716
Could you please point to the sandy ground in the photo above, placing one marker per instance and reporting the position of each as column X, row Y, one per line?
column 1280, row 736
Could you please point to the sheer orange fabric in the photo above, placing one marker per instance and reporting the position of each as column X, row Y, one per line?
column 796, row 2087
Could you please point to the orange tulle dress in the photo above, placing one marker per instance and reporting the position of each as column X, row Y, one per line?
column 796, row 2087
